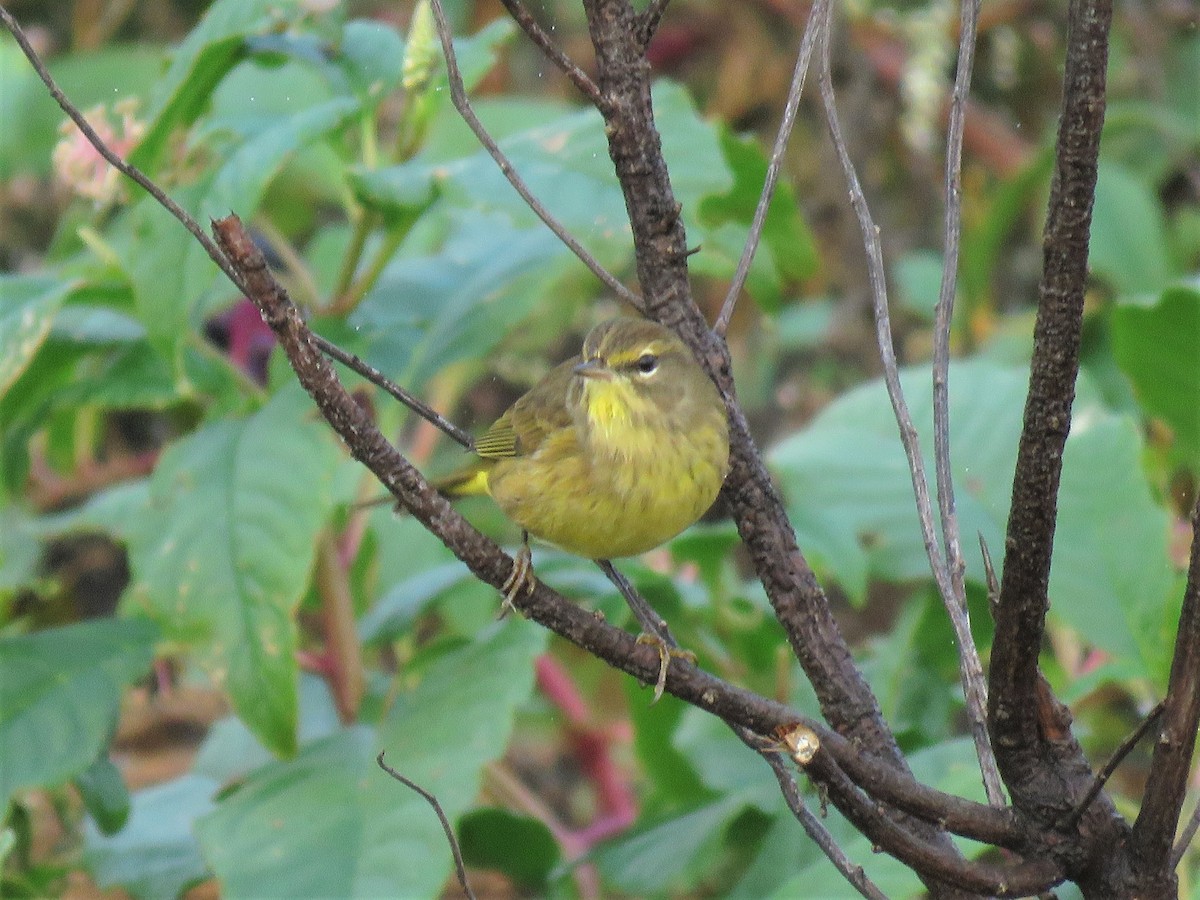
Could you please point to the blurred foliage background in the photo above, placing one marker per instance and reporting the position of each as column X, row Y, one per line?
column 205, row 639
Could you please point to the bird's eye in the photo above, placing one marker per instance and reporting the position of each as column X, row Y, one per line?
column 647, row 363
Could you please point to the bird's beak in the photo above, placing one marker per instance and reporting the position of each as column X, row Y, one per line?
column 593, row 368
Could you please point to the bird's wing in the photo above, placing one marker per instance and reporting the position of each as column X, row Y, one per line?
column 540, row 412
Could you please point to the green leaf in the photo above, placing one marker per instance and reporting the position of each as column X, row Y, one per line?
column 786, row 240
column 230, row 750
column 155, row 855
column 919, row 281
column 209, row 51
column 564, row 160
column 30, row 303
column 722, row 761
column 171, row 273
column 849, row 493
column 329, row 823
column 104, row 794
column 1156, row 345
column 670, row 856
column 223, row 555
column 1111, row 578
column 403, row 602
column 59, row 696
column 520, row 847
column 1129, row 237
column 106, row 75
column 87, row 324
column 372, row 56
column 20, row 550
column 428, row 312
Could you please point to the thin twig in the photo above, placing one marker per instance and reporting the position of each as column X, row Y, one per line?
column 968, row 657
column 1185, row 837
column 1071, row 819
column 132, row 172
column 458, row 96
column 534, row 31
column 989, row 575
column 970, row 668
column 416, row 404
column 459, row 867
column 811, row 824
column 651, row 19
column 654, row 626
column 816, row 16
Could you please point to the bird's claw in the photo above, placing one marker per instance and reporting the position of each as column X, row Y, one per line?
column 520, row 580
column 664, row 660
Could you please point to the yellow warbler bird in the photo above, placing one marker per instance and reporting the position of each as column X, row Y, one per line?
column 612, row 453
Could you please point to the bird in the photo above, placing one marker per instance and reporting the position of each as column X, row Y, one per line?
column 611, row 454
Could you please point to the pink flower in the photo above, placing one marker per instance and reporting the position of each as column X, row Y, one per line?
column 79, row 166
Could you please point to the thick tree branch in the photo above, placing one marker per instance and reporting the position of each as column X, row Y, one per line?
column 933, row 860
column 661, row 246
column 1154, row 830
column 1020, row 615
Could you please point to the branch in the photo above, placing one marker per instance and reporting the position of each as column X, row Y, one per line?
column 1186, row 836
column 650, row 20
column 1154, row 830
column 970, row 667
column 817, row 14
column 413, row 402
column 458, row 96
column 1123, row 750
column 661, row 246
column 524, row 18
column 459, row 868
column 812, row 825
column 952, row 590
column 932, row 860
column 1020, row 615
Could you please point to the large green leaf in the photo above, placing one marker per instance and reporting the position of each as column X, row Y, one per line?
column 59, row 696
column 105, row 75
column 427, row 312
column 28, row 305
column 850, row 497
column 787, row 252
column 170, row 271
column 200, row 62
column 1129, row 235
column 223, row 554
column 329, row 823
column 564, row 161
column 156, row 854
column 1158, row 347
column 670, row 856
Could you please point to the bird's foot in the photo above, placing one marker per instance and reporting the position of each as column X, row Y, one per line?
column 664, row 660
column 520, row 580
